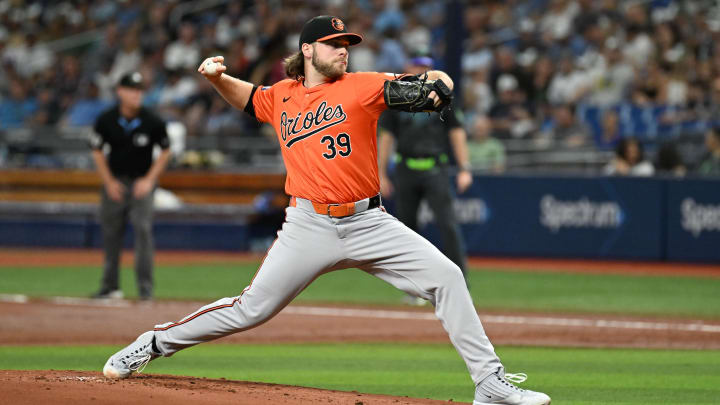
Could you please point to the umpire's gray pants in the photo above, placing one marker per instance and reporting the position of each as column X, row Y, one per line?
column 114, row 217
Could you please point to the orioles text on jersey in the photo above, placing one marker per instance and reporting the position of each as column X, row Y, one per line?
column 313, row 122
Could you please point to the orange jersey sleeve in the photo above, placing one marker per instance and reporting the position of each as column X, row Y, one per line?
column 369, row 89
column 262, row 102
column 327, row 134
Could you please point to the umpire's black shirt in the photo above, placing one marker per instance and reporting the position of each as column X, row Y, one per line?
column 420, row 134
column 131, row 141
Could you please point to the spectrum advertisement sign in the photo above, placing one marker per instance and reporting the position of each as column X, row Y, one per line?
column 693, row 220
column 562, row 217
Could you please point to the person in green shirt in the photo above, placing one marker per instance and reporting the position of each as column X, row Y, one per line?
column 486, row 153
column 710, row 166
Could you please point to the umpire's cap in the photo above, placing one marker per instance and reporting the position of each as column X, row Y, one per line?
column 324, row 27
column 133, row 80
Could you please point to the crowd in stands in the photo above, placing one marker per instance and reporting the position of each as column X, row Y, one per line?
column 556, row 74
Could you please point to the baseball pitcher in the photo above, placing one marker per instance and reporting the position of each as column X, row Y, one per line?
column 326, row 123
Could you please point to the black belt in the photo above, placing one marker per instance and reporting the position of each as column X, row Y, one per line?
column 374, row 202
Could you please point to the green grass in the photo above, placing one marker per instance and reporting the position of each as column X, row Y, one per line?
column 570, row 376
column 491, row 289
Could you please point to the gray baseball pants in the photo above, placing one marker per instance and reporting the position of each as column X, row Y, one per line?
column 312, row 244
column 114, row 216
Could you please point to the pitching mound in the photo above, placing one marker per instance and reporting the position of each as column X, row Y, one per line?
column 78, row 387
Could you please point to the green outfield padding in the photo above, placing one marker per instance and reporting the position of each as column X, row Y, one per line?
column 570, row 376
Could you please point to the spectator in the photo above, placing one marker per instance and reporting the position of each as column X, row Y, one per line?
column 559, row 18
column 478, row 95
column 528, row 44
column 567, row 85
column 128, row 13
column 639, row 46
column 33, row 57
column 542, row 74
column 710, row 110
column 669, row 161
column 103, row 10
column 155, row 32
column 506, row 65
column 105, row 49
column 222, row 118
column 128, row 58
column 563, row 129
column 68, row 79
column 416, row 36
column 614, row 80
column 6, row 69
column 486, row 153
column 391, row 57
column 177, row 90
column 588, row 47
column 15, row 51
column 364, row 55
column 652, row 81
column 629, row 160
column 103, row 79
column 228, row 25
column 48, row 107
column 510, row 116
column 710, row 166
column 390, row 17
column 478, row 55
column 17, row 109
column 184, row 53
column 610, row 130
column 84, row 111
column 669, row 49
column 675, row 90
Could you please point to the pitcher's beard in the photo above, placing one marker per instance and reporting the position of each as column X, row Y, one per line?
column 327, row 69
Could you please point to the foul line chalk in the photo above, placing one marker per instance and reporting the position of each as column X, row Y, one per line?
column 71, row 301
column 418, row 316
column 503, row 319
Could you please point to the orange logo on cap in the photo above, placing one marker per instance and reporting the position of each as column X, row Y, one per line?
column 338, row 24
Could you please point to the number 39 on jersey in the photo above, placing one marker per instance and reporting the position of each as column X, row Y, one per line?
column 339, row 145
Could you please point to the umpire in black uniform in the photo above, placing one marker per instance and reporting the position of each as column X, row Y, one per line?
column 422, row 166
column 128, row 133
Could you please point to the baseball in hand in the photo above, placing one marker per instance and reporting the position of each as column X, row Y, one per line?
column 211, row 67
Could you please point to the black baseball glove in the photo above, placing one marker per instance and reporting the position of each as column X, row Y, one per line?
column 411, row 94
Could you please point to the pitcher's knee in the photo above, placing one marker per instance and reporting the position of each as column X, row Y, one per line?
column 256, row 310
column 452, row 276
column 446, row 273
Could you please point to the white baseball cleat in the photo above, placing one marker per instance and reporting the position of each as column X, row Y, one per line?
column 497, row 389
column 133, row 357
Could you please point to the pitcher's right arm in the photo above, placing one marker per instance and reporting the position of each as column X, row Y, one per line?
column 234, row 91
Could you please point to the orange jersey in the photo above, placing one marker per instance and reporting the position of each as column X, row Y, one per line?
column 328, row 134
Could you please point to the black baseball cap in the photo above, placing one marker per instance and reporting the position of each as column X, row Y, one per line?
column 324, row 27
column 133, row 80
